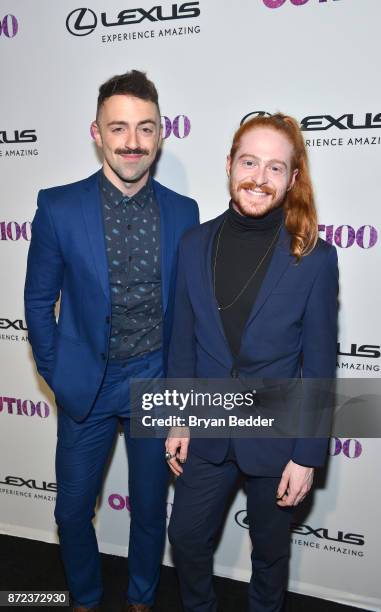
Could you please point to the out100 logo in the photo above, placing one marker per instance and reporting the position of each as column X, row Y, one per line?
column 277, row 3
column 180, row 127
column 345, row 236
column 9, row 26
column 12, row 230
column 350, row 448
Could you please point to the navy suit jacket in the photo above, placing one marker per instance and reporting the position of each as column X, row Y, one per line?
column 290, row 332
column 67, row 256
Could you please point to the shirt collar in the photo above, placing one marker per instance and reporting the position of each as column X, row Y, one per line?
column 241, row 223
column 144, row 194
column 114, row 196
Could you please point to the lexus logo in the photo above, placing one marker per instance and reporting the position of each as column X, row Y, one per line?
column 255, row 114
column 241, row 519
column 81, row 22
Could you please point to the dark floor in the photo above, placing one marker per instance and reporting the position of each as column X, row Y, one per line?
column 30, row 565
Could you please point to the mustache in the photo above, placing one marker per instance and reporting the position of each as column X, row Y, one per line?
column 137, row 151
column 253, row 185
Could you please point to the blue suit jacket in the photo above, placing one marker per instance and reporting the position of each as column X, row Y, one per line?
column 291, row 331
column 67, row 255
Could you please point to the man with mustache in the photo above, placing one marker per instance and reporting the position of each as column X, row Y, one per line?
column 107, row 245
column 256, row 298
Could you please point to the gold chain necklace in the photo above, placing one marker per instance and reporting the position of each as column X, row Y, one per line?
column 250, row 277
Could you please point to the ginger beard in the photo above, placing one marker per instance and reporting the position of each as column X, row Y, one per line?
column 252, row 200
column 261, row 171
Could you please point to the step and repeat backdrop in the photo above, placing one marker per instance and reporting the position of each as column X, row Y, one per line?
column 213, row 63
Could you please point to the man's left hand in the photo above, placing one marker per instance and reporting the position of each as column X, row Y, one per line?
column 294, row 485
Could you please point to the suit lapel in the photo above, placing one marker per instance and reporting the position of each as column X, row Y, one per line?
column 167, row 240
column 92, row 212
column 279, row 263
column 211, row 302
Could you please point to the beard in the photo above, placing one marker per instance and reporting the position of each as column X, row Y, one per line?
column 254, row 208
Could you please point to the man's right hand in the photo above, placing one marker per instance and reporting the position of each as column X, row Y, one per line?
column 177, row 444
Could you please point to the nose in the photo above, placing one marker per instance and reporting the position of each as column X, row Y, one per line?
column 131, row 140
column 260, row 175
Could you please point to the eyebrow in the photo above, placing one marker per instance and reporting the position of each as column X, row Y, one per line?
column 125, row 123
column 271, row 161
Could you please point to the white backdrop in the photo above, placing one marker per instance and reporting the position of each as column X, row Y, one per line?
column 315, row 59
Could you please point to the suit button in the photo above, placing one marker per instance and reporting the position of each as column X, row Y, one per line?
column 108, row 319
column 234, row 373
column 103, row 356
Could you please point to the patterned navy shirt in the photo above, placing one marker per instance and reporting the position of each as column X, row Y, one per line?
column 132, row 236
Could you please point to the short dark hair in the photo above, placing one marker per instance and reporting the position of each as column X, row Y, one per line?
column 133, row 83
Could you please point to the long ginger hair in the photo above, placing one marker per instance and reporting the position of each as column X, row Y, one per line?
column 299, row 205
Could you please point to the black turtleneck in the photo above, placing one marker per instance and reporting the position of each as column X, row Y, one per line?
column 242, row 242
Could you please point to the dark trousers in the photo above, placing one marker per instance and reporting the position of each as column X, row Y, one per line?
column 82, row 452
column 200, row 502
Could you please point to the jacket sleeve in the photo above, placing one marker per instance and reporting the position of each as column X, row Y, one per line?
column 42, row 287
column 182, row 349
column 319, row 358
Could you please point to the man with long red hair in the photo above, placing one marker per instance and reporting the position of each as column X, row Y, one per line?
column 256, row 298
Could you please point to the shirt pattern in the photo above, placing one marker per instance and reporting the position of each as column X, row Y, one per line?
column 132, row 236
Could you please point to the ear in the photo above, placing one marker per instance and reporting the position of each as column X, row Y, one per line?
column 228, row 165
column 292, row 179
column 94, row 129
column 160, row 141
